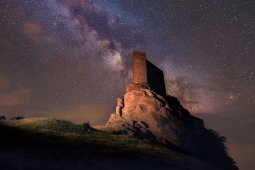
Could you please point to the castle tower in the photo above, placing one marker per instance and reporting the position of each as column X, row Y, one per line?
column 139, row 68
column 144, row 72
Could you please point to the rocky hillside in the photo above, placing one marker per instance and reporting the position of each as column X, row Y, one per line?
column 147, row 115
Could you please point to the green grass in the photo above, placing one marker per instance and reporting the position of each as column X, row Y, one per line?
column 47, row 143
column 59, row 134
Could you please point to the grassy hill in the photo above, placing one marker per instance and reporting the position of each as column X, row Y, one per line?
column 49, row 143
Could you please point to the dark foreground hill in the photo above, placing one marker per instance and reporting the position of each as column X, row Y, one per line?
column 49, row 143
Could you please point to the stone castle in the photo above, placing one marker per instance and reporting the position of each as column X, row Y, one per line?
column 147, row 112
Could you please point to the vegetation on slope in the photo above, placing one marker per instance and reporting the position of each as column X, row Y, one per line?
column 53, row 139
column 52, row 132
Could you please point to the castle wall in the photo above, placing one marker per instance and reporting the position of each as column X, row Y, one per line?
column 155, row 78
column 139, row 68
column 144, row 72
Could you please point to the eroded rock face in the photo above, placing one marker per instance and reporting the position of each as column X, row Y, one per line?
column 143, row 113
column 119, row 106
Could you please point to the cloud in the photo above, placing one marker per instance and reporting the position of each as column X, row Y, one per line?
column 185, row 91
column 96, row 114
column 15, row 97
column 11, row 96
column 4, row 82
column 34, row 32
column 198, row 98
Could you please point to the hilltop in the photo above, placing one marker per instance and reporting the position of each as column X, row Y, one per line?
column 147, row 111
column 50, row 143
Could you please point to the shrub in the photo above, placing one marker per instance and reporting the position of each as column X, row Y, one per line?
column 86, row 126
column 17, row 118
column 2, row 117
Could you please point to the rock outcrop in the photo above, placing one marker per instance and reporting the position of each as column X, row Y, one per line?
column 145, row 114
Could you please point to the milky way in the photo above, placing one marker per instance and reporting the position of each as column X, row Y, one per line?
column 72, row 58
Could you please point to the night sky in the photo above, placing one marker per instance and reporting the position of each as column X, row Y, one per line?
column 71, row 59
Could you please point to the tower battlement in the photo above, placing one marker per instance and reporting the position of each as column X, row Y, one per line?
column 144, row 72
column 139, row 53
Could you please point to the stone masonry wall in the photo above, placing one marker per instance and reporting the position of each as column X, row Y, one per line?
column 139, row 68
column 155, row 78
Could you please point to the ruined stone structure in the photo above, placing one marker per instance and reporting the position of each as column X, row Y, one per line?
column 146, row 111
column 147, row 74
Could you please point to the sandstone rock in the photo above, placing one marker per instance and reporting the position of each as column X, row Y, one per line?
column 133, row 86
column 119, row 106
column 145, row 114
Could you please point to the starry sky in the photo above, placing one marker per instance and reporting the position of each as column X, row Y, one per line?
column 71, row 59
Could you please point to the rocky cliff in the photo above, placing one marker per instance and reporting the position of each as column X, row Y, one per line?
column 145, row 114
